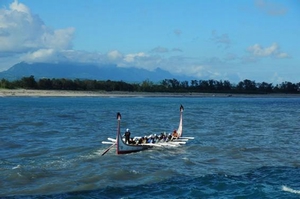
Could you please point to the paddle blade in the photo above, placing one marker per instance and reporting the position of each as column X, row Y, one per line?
column 107, row 150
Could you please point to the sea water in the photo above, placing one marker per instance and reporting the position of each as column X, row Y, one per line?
column 50, row 147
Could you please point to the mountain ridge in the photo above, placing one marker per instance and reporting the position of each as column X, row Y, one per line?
column 86, row 71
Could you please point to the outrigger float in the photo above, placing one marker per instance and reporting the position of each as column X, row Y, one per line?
column 124, row 148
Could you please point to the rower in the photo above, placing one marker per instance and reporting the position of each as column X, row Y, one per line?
column 174, row 134
column 127, row 136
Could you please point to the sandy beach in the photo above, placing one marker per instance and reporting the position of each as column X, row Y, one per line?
column 69, row 93
column 59, row 93
column 65, row 93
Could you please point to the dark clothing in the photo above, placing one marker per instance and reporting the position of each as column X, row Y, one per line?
column 131, row 141
column 127, row 137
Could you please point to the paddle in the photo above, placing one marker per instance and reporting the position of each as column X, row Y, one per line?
column 108, row 149
column 119, row 118
column 104, row 142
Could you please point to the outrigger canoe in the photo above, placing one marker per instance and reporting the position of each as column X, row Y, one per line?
column 124, row 148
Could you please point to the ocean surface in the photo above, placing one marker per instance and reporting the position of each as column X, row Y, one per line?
column 50, row 147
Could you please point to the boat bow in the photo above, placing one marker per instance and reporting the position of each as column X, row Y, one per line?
column 122, row 147
column 179, row 130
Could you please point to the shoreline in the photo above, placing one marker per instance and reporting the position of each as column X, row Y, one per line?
column 69, row 93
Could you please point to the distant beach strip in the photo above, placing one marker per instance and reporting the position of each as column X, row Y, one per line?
column 69, row 93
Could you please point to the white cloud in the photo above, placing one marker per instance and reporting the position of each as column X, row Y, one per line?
column 114, row 55
column 54, row 56
column 58, row 39
column 19, row 7
column 130, row 58
column 271, row 51
column 40, row 55
column 142, row 60
column 257, row 50
column 204, row 72
column 282, row 55
column 21, row 32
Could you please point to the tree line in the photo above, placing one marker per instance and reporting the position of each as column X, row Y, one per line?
column 167, row 85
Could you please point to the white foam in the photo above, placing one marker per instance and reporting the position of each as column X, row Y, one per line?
column 16, row 167
column 285, row 188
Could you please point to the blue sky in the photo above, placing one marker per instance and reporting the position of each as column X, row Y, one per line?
column 221, row 40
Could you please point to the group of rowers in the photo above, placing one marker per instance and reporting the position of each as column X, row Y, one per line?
column 163, row 137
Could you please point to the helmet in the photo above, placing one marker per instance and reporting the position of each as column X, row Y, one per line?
column 127, row 130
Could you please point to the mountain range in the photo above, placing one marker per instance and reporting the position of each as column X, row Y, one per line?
column 87, row 71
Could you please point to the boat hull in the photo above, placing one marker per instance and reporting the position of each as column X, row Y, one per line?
column 123, row 149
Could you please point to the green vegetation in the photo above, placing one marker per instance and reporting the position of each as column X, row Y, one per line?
column 166, row 85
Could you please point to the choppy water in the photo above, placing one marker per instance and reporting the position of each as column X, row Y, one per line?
column 244, row 148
